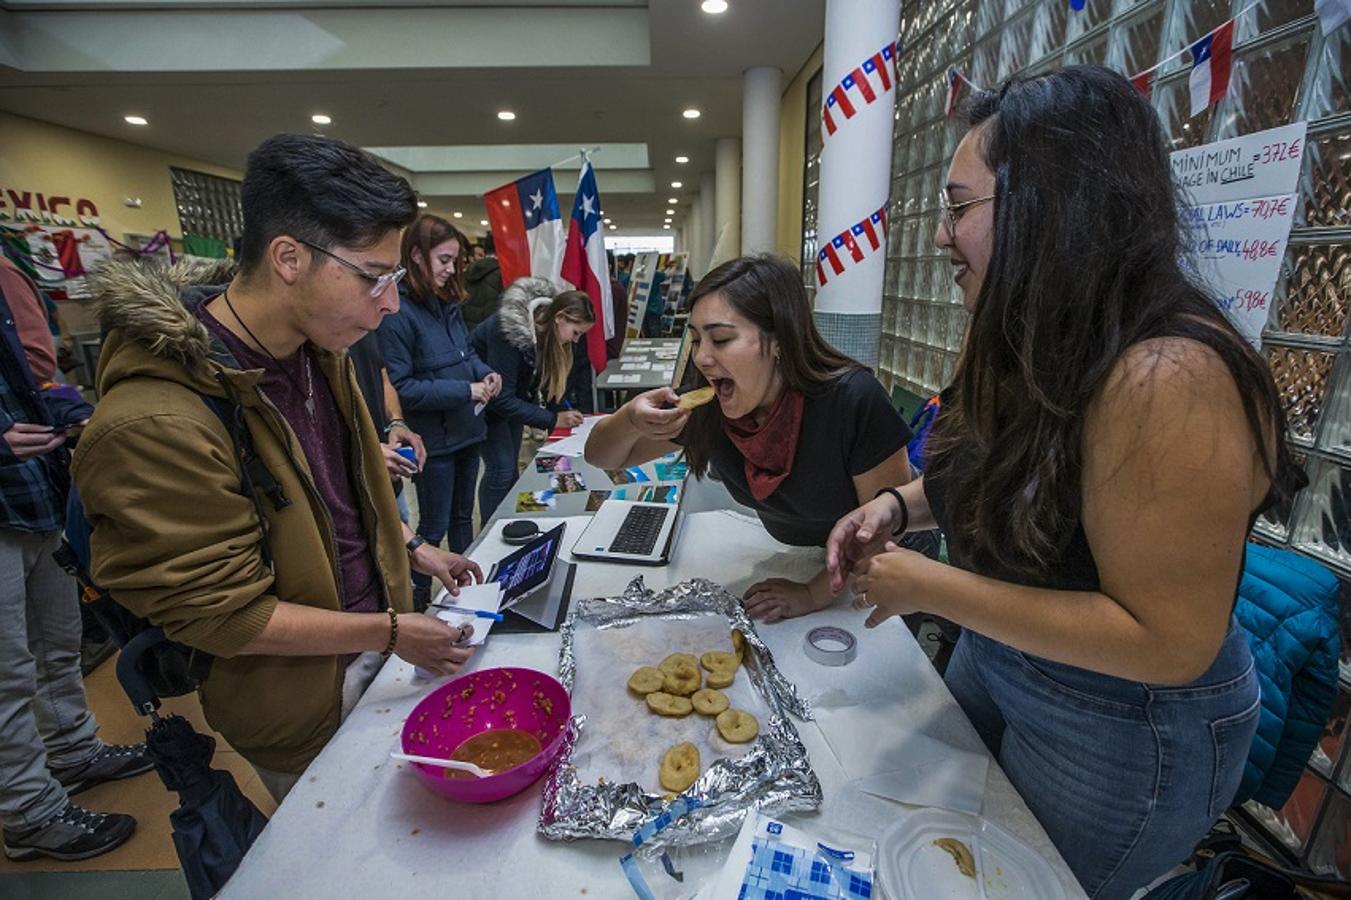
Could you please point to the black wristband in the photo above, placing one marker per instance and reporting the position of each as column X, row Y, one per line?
column 905, row 510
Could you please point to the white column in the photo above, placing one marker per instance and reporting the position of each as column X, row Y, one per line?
column 708, row 221
column 762, row 88
column 855, row 171
column 727, row 200
column 692, row 230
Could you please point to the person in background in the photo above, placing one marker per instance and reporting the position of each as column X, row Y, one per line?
column 382, row 401
column 299, row 589
column 798, row 431
column 483, row 284
column 441, row 383
column 656, row 305
column 530, row 341
column 1107, row 443
column 49, row 746
column 619, row 298
column 624, row 270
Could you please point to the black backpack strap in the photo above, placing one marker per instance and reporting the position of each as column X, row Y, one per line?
column 255, row 477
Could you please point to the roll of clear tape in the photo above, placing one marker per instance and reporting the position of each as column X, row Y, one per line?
column 830, row 646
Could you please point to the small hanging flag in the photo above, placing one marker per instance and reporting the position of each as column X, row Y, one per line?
column 1144, row 81
column 955, row 80
column 1212, row 61
column 1077, row 5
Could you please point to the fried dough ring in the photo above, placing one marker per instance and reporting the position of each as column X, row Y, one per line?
column 664, row 704
column 709, row 702
column 737, row 726
column 683, row 679
column 646, row 680
column 679, row 767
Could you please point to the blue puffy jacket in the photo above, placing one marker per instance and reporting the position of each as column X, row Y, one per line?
column 1288, row 606
column 431, row 366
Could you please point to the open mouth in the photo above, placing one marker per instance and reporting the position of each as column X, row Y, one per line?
column 725, row 387
column 959, row 269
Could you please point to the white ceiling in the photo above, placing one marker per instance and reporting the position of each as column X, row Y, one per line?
column 420, row 81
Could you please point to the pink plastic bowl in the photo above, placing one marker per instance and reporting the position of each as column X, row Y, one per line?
column 482, row 701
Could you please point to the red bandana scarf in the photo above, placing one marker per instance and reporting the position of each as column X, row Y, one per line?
column 768, row 448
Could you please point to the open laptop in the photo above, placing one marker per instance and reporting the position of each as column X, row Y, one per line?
column 631, row 531
column 536, row 585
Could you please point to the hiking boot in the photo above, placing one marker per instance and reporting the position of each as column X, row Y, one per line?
column 73, row 833
column 114, row 761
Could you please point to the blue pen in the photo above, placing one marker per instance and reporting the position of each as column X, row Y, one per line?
column 566, row 404
column 480, row 613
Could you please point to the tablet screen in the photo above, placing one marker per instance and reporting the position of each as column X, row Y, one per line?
column 529, row 567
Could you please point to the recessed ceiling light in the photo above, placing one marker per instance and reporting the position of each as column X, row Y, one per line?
column 677, row 185
column 691, row 113
column 613, row 227
column 670, row 212
column 506, row 115
column 672, row 200
column 422, row 204
column 321, row 119
column 135, row 120
column 607, row 221
column 483, row 222
column 666, row 227
column 458, row 215
column 682, row 159
column 714, row 7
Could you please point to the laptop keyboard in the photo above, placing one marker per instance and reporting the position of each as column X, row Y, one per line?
column 642, row 526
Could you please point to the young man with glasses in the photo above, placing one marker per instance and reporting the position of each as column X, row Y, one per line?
column 297, row 609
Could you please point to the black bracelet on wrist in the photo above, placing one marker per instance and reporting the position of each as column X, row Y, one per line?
column 905, row 510
column 393, row 634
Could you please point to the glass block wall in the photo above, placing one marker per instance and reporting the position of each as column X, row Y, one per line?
column 207, row 204
column 811, row 185
column 1285, row 70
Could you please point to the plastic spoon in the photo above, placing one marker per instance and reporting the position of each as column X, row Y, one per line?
column 476, row 771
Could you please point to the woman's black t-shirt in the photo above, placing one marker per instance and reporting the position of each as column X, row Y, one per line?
column 848, row 427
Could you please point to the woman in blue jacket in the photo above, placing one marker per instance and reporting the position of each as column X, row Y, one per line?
column 442, row 385
column 529, row 341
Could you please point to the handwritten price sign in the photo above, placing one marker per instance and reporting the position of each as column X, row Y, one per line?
column 1241, row 206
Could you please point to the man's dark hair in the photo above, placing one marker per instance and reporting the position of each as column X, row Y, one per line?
column 486, row 242
column 320, row 190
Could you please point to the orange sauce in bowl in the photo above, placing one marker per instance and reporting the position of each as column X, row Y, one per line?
column 496, row 751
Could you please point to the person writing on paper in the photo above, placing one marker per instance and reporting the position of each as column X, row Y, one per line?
column 799, row 432
column 441, row 383
column 529, row 342
column 1098, row 462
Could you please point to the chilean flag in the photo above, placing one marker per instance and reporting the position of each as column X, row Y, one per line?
column 527, row 230
column 1212, row 61
column 955, row 80
column 585, row 265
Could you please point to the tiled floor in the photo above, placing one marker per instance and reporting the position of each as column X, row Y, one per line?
column 148, row 860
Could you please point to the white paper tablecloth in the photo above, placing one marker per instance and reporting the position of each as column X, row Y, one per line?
column 360, row 825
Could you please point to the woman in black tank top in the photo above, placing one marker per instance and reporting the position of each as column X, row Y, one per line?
column 1096, row 467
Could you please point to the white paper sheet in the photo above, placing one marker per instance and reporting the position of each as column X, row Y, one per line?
column 574, row 444
column 487, row 596
column 899, row 762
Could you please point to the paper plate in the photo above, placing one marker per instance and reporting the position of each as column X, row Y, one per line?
column 910, row 866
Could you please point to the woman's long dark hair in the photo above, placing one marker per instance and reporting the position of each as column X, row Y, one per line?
column 1086, row 262
column 426, row 232
column 768, row 291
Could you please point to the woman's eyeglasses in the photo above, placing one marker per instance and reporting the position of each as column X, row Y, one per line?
column 950, row 209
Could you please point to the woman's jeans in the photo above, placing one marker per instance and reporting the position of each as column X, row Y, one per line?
column 501, row 451
column 1125, row 777
column 445, row 498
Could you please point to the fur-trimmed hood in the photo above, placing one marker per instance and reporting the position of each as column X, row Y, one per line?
column 516, row 314
column 150, row 307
